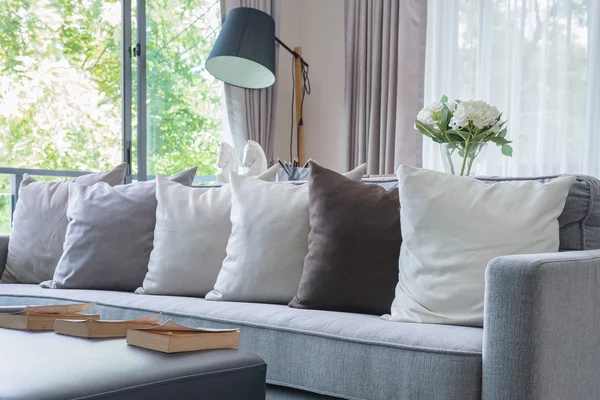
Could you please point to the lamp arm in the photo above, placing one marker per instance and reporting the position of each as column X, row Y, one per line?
column 292, row 52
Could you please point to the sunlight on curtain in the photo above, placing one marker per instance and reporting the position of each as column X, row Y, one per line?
column 538, row 61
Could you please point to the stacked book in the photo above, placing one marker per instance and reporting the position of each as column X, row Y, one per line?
column 92, row 328
column 42, row 318
column 171, row 337
column 147, row 332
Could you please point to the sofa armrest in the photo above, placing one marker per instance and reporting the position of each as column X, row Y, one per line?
column 542, row 327
column 3, row 252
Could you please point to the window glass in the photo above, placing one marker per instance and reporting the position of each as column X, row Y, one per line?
column 184, row 107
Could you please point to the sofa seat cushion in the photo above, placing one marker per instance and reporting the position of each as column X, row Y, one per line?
column 352, row 356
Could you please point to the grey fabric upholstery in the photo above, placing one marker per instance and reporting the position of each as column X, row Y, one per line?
column 580, row 220
column 3, row 252
column 346, row 355
column 286, row 393
column 540, row 338
column 110, row 235
column 40, row 223
column 541, row 327
column 354, row 238
column 47, row 366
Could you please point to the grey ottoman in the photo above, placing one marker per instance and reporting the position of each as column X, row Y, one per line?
column 49, row 366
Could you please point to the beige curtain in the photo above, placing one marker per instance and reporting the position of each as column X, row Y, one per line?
column 385, row 59
column 251, row 113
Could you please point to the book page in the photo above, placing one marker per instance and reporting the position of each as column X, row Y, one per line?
column 173, row 326
column 58, row 309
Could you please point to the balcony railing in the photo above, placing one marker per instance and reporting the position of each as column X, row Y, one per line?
column 16, row 178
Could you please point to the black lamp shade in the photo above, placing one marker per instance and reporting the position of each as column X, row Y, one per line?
column 244, row 52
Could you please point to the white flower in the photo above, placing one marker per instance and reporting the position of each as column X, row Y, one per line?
column 451, row 105
column 426, row 116
column 432, row 114
column 479, row 113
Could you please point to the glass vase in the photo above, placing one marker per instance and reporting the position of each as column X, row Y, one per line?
column 463, row 158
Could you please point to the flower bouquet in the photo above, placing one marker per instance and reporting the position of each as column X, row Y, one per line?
column 463, row 129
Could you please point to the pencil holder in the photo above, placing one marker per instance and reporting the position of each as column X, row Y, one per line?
column 295, row 174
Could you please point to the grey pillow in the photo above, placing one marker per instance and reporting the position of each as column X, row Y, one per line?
column 353, row 245
column 110, row 235
column 40, row 223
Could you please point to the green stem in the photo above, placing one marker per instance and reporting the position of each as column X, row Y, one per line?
column 471, row 160
column 449, row 153
column 465, row 155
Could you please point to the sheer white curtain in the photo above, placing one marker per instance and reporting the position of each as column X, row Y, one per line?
column 538, row 61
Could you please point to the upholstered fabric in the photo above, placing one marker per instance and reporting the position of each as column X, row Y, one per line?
column 541, row 323
column 110, row 235
column 353, row 356
column 192, row 229
column 3, row 252
column 287, row 393
column 47, row 366
column 268, row 242
column 353, row 245
column 451, row 233
column 541, row 306
column 270, row 174
column 580, row 220
column 357, row 173
column 40, row 223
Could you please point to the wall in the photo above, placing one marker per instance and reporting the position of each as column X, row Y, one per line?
column 318, row 27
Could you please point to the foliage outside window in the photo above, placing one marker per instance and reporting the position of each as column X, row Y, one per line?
column 60, row 87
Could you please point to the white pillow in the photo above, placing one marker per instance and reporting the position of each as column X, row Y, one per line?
column 270, row 174
column 357, row 173
column 453, row 226
column 192, row 229
column 268, row 242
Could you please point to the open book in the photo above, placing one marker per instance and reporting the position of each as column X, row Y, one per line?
column 103, row 329
column 171, row 337
column 41, row 318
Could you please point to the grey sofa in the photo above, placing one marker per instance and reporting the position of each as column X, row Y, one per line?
column 541, row 335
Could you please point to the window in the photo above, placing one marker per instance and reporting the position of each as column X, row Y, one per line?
column 184, row 108
column 71, row 98
column 537, row 61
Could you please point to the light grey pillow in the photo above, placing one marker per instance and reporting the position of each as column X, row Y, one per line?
column 110, row 235
column 40, row 223
column 190, row 237
column 192, row 229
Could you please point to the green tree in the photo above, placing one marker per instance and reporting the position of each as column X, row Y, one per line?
column 60, row 86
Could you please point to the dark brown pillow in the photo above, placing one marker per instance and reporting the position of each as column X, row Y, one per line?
column 353, row 246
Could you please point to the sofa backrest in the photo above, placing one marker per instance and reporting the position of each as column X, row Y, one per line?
column 580, row 220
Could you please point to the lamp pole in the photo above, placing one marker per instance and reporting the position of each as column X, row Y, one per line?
column 299, row 63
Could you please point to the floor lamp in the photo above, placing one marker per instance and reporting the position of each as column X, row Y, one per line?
column 244, row 56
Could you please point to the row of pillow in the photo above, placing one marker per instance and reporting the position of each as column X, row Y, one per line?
column 332, row 244
column 275, row 243
column 172, row 240
column 40, row 219
column 109, row 235
column 335, row 244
